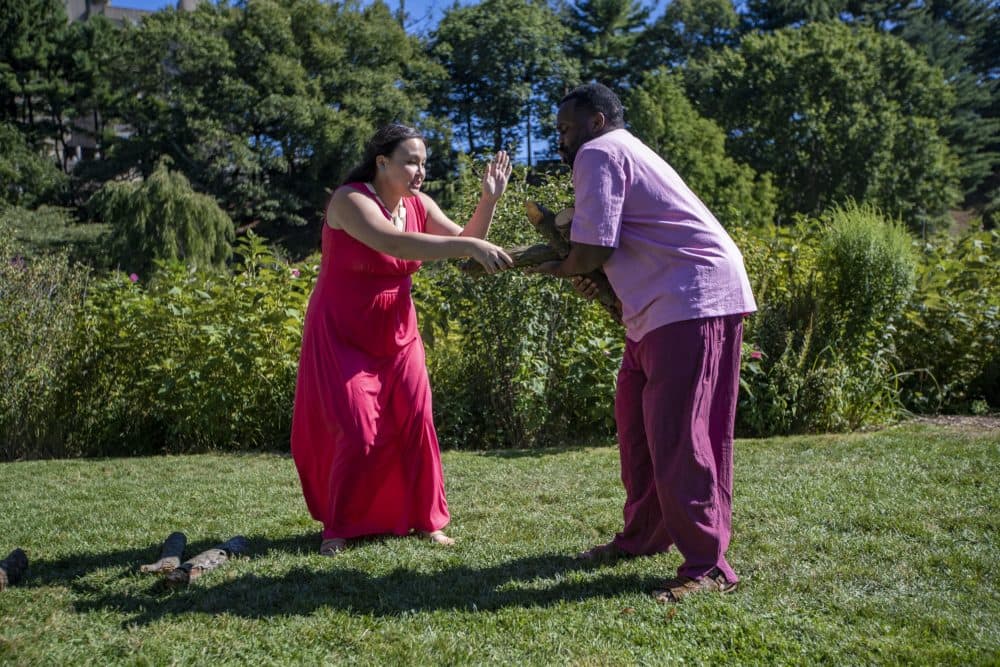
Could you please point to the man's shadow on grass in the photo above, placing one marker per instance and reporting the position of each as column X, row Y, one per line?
column 533, row 581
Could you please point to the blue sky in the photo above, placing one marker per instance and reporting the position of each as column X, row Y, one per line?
column 424, row 14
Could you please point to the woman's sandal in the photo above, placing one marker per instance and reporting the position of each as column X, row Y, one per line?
column 332, row 546
column 604, row 554
column 678, row 587
column 438, row 537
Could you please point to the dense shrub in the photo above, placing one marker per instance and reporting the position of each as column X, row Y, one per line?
column 40, row 301
column 189, row 360
column 47, row 229
column 825, row 333
column 951, row 342
column 182, row 359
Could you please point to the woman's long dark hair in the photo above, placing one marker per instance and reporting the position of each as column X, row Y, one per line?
column 383, row 143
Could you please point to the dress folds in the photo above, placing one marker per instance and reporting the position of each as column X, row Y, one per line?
column 363, row 437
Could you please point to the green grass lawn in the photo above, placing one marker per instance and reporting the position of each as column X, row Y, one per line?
column 868, row 548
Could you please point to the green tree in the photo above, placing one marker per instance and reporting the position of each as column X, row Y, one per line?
column 690, row 29
column 27, row 178
column 661, row 115
column 29, row 32
column 30, row 88
column 958, row 36
column 605, row 37
column 950, row 34
column 505, row 67
column 162, row 218
column 265, row 105
column 835, row 112
column 86, row 56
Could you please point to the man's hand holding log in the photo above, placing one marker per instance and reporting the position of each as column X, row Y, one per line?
column 558, row 257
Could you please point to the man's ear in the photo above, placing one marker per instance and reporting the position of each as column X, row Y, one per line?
column 598, row 122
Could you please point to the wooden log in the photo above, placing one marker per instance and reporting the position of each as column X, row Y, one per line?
column 523, row 256
column 12, row 568
column 555, row 228
column 544, row 222
column 170, row 555
column 206, row 561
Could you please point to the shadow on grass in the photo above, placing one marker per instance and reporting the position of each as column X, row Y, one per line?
column 541, row 580
column 64, row 571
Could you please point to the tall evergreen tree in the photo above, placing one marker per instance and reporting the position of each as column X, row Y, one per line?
column 951, row 34
column 689, row 29
column 604, row 38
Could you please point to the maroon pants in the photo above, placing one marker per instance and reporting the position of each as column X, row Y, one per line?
column 675, row 408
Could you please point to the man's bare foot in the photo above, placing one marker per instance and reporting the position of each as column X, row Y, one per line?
column 332, row 546
column 438, row 537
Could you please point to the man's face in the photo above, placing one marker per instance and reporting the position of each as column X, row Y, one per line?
column 575, row 128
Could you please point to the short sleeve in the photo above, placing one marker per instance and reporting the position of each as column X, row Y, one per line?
column 599, row 185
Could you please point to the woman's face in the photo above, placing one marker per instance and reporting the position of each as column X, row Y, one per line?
column 404, row 169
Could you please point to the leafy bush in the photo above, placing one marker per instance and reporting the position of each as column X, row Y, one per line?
column 826, row 329
column 40, row 301
column 48, row 229
column 866, row 267
column 162, row 218
column 191, row 361
column 950, row 343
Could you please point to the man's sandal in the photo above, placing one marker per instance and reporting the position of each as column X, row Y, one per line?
column 438, row 537
column 604, row 554
column 332, row 546
column 678, row 587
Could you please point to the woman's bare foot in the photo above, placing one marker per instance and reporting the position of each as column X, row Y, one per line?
column 332, row 546
column 438, row 537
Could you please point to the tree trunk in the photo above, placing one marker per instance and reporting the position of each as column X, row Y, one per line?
column 528, row 135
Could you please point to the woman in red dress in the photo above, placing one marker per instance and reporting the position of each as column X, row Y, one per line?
column 363, row 437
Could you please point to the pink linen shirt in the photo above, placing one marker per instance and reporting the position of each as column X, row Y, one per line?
column 673, row 261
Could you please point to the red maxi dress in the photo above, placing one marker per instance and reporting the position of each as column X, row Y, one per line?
column 363, row 437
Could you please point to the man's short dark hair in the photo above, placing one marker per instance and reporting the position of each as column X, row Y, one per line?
column 596, row 97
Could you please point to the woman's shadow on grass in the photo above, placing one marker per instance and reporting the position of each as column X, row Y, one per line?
column 532, row 581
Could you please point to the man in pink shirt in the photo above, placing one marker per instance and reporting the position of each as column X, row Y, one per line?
column 684, row 292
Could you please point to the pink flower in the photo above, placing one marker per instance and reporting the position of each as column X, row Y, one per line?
column 756, row 354
column 134, row 277
column 296, row 273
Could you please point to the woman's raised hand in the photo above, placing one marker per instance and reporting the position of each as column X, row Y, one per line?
column 496, row 175
column 493, row 258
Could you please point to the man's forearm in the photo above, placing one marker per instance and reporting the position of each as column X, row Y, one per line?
column 583, row 259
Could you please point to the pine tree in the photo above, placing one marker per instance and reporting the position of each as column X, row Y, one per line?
column 605, row 35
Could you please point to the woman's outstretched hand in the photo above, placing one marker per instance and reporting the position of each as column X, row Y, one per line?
column 496, row 176
column 493, row 258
